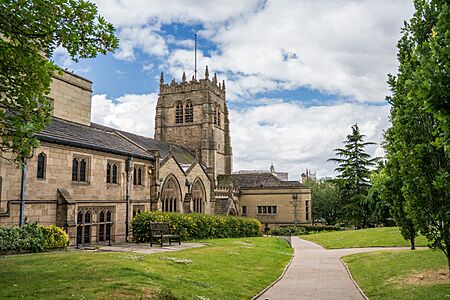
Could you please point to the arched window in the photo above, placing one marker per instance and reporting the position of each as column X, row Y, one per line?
column 41, row 165
column 171, row 195
column 75, row 169
column 83, row 170
column 137, row 175
column 189, row 112
column 198, row 196
column 101, row 226
column 87, row 227
column 179, row 113
column 218, row 117
column 215, row 115
column 114, row 174
column 108, row 173
column 79, row 169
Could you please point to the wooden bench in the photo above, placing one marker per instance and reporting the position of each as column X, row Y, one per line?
column 160, row 231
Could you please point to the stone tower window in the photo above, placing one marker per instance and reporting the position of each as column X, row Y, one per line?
column 179, row 113
column 215, row 115
column 42, row 159
column 189, row 112
column 218, row 117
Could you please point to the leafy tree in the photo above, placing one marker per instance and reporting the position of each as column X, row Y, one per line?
column 325, row 202
column 378, row 203
column 353, row 180
column 417, row 142
column 30, row 30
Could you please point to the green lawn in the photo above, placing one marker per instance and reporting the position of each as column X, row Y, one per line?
column 372, row 237
column 394, row 274
column 225, row 269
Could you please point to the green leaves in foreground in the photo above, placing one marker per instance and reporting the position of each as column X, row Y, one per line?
column 30, row 31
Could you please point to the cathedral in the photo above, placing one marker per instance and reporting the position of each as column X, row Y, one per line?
column 91, row 179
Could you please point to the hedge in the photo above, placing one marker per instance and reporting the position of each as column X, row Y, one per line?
column 196, row 226
column 32, row 238
column 302, row 229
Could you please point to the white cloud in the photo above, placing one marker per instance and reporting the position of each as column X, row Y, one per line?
column 143, row 38
column 132, row 113
column 291, row 136
column 295, row 138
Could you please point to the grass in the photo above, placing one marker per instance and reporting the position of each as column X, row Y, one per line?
column 372, row 237
column 224, row 269
column 400, row 274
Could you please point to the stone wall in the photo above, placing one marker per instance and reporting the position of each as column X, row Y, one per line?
column 71, row 97
column 170, row 167
column 56, row 199
column 283, row 199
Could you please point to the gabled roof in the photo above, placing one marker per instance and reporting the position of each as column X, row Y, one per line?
column 181, row 154
column 90, row 137
column 256, row 180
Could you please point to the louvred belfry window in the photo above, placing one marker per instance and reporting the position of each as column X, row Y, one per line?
column 179, row 113
column 189, row 112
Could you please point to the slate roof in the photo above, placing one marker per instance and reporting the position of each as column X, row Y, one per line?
column 181, row 154
column 90, row 137
column 256, row 180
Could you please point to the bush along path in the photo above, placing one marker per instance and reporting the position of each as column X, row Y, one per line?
column 316, row 273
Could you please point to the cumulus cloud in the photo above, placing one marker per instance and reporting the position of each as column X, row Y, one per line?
column 289, row 135
column 295, row 138
column 132, row 113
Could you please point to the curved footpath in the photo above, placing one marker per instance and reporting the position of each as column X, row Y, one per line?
column 316, row 273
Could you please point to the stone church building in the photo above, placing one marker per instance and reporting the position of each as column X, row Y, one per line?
column 92, row 179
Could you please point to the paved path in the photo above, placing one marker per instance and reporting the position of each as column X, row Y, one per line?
column 316, row 273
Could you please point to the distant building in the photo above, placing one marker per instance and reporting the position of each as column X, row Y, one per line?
column 308, row 175
column 280, row 175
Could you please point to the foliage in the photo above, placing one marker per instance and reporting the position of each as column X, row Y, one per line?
column 32, row 238
column 301, row 229
column 378, row 200
column 418, row 142
column 196, row 226
column 55, row 237
column 21, row 239
column 326, row 204
column 385, row 274
column 30, row 31
column 371, row 237
column 353, row 179
column 222, row 269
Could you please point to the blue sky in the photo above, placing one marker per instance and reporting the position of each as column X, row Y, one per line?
column 298, row 73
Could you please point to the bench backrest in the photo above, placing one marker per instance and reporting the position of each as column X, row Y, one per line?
column 163, row 227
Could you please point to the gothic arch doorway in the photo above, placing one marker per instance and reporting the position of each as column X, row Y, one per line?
column 171, row 195
column 198, row 196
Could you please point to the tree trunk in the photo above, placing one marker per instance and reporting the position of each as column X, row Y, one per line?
column 447, row 245
column 412, row 236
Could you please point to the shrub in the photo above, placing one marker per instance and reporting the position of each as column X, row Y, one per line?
column 196, row 226
column 28, row 237
column 302, row 229
column 31, row 238
column 55, row 237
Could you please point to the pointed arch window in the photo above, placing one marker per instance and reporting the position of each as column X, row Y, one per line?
column 170, row 196
column 218, row 117
column 42, row 161
column 179, row 113
column 80, row 169
column 189, row 112
column 138, row 175
column 112, row 170
column 215, row 115
column 198, row 196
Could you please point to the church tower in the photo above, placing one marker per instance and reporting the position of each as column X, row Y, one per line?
column 195, row 114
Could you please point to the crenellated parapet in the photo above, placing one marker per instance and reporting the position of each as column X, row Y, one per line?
column 192, row 85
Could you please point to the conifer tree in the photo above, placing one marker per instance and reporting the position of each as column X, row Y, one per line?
column 353, row 180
